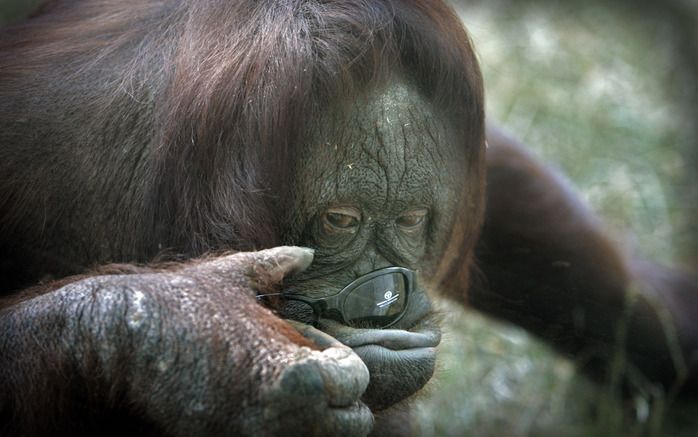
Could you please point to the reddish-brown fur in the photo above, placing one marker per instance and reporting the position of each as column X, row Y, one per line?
column 137, row 127
column 211, row 166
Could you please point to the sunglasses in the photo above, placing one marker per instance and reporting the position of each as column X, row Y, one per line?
column 377, row 299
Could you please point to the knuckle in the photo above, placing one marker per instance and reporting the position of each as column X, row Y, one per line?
column 345, row 374
column 337, row 376
column 318, row 393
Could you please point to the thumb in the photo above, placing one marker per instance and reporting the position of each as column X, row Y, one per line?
column 271, row 266
column 261, row 269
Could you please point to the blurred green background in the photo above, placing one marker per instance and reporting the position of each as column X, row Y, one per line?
column 605, row 91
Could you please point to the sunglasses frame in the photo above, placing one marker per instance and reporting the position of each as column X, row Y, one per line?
column 322, row 305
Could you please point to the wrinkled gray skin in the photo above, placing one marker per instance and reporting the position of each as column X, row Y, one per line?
column 392, row 157
column 193, row 352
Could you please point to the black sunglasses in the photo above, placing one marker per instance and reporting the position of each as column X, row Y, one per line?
column 377, row 299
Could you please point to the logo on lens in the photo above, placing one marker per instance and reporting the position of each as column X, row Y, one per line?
column 389, row 297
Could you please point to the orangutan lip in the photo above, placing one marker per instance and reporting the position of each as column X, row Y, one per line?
column 393, row 339
column 354, row 406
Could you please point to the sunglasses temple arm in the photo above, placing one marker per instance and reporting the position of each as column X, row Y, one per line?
column 308, row 300
column 268, row 294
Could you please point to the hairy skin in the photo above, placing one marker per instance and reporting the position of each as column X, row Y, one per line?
column 192, row 377
column 129, row 128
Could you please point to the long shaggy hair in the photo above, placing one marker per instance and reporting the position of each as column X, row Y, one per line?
column 216, row 96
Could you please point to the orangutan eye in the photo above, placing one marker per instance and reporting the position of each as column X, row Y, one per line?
column 341, row 218
column 412, row 220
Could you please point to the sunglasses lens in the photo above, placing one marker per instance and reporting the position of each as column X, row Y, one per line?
column 378, row 302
